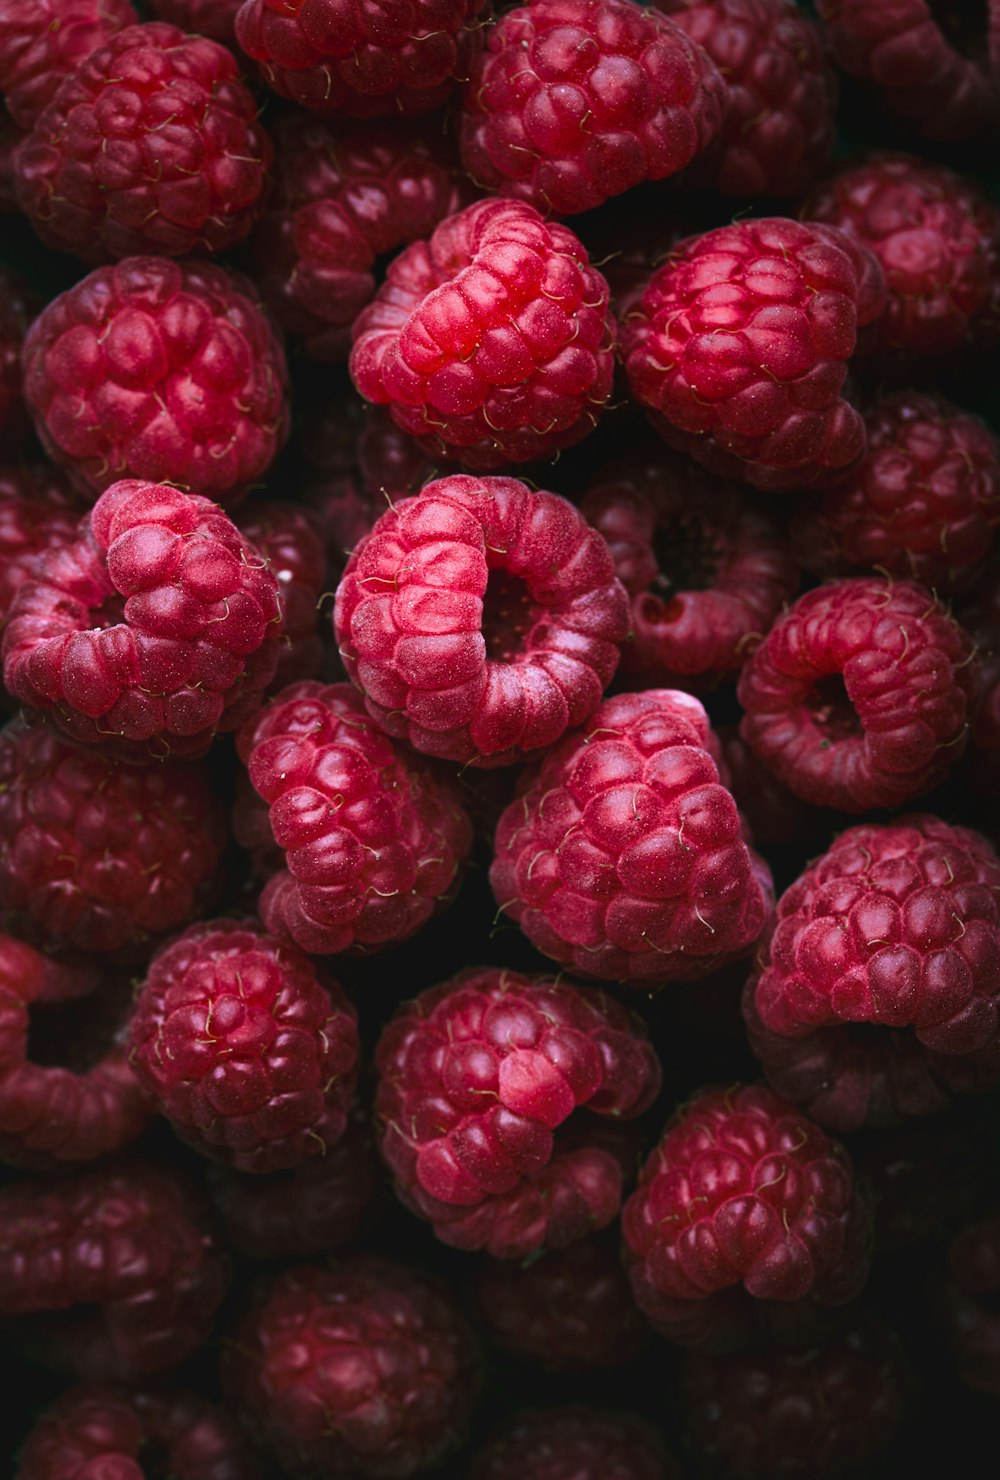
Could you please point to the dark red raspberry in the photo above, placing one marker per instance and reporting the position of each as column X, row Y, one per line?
column 159, row 626
column 130, row 1240
column 924, row 502
column 575, row 101
column 289, row 538
column 363, row 1369
column 36, row 514
column 492, row 341
column 968, row 1304
column 777, row 817
column 740, row 346
column 213, row 18
column 778, row 131
column 16, row 312
column 152, row 145
column 623, row 857
column 707, row 569
column 158, row 370
column 475, row 1075
column 858, row 696
column 575, row 1444
column 44, row 41
column 343, row 198
column 372, row 838
column 102, row 856
column 481, row 619
column 937, row 239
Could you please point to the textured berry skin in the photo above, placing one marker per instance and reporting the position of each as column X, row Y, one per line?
column 159, row 625
column 158, row 370
column 623, row 857
column 289, row 538
column 372, row 839
column 858, row 696
column 16, row 312
column 778, row 130
column 343, row 197
column 44, row 41
column 968, row 1304
column 129, row 1239
column 364, row 1369
column 101, row 856
column 481, row 619
column 575, row 101
column 475, row 1075
column 152, row 145
column 36, row 514
column 575, row 1444
column 491, row 341
column 707, row 570
column 937, row 239
column 740, row 343
column 250, row 1055
column 215, row 19
column 923, row 503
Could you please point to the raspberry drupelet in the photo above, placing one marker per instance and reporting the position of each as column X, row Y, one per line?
column 290, row 538
column 476, row 1075
column 373, row 839
column 492, row 341
column 215, row 19
column 575, row 1444
column 44, row 41
column 37, row 513
column 623, row 857
column 160, row 370
column 481, row 619
column 575, row 101
column 859, row 695
column 739, row 347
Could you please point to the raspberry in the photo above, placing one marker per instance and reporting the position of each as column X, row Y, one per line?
column 16, row 313
column 923, row 503
column 937, row 239
column 623, row 856
column 44, row 41
column 373, row 839
column 706, row 569
column 740, row 342
column 152, row 145
column 131, row 1240
column 968, row 1304
column 858, row 696
column 481, row 619
column 160, row 625
column 474, row 1077
column 102, row 856
column 289, row 538
column 345, row 196
column 36, row 514
column 213, row 18
column 365, row 1369
column 576, row 101
column 778, row 131
column 492, row 341
column 158, row 370
column 575, row 1444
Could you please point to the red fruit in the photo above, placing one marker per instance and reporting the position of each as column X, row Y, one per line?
column 576, row 101
column 158, row 626
column 16, row 312
column 36, row 514
column 363, row 1369
column 213, row 18
column 575, row 1444
column 474, row 1077
column 968, row 1304
column 492, row 341
column 706, row 569
column 152, row 145
column 740, row 346
column 858, row 696
column 101, row 856
column 154, row 369
column 288, row 536
column 623, row 857
column 44, row 41
column 481, row 619
column 372, row 838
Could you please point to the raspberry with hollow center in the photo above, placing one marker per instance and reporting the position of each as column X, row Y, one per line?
column 492, row 341
column 44, row 41
column 575, row 1444
column 36, row 514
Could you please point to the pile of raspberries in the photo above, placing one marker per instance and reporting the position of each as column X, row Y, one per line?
column 499, row 739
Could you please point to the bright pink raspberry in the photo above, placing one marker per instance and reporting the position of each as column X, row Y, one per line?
column 16, row 312
column 779, row 129
column 341, row 57
column 707, row 569
column 158, row 370
column 740, row 344
column 44, row 41
column 481, row 619
column 101, row 856
column 623, row 857
column 967, row 1304
column 363, row 1369
column 372, row 838
column 213, row 18
column 575, row 1444
column 575, row 101
column 475, row 1075
column 858, row 697
column 492, row 341
column 36, row 514
column 158, row 626
column 290, row 539
column 152, row 145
